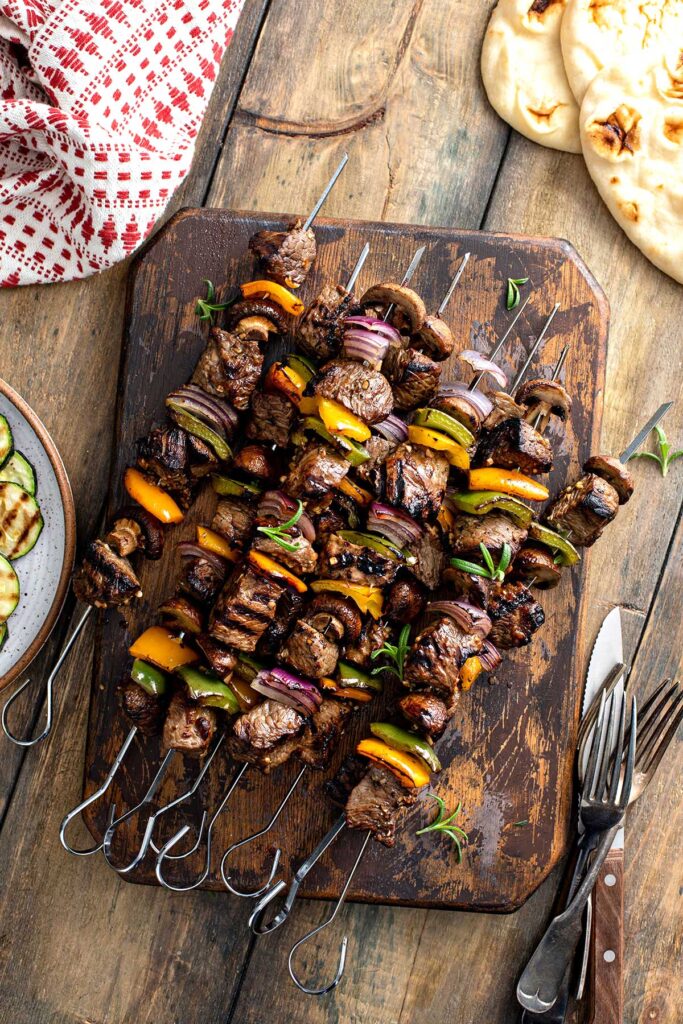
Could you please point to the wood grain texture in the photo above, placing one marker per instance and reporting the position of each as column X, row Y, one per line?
column 607, row 952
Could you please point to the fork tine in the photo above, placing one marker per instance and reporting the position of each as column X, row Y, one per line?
column 650, row 716
column 657, row 721
column 630, row 757
column 618, row 748
column 607, row 748
column 660, row 748
column 590, row 776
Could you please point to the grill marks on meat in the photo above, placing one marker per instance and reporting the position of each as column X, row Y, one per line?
column 427, row 712
column 245, row 609
column 272, row 418
column 439, row 652
column 234, row 520
column 321, row 328
column 341, row 559
column 105, row 580
column 514, row 444
column 515, row 615
column 289, row 606
column 316, row 743
column 188, row 726
column 314, row 472
column 202, row 579
column 370, row 471
column 464, row 584
column 312, row 648
column 365, row 392
column 430, row 557
column 583, row 510
column 221, row 659
column 493, row 530
column 313, row 743
column 415, row 479
column 286, row 256
column 229, row 367
column 413, row 375
column 163, row 454
column 375, row 802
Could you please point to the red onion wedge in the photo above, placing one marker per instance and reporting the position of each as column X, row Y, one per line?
column 282, row 686
column 468, row 617
column 371, row 323
column 364, row 346
column 392, row 428
column 489, row 657
column 480, row 402
column 187, row 550
column 280, row 507
column 397, row 526
column 218, row 415
column 480, row 364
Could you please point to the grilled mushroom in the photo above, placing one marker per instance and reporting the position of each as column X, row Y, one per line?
column 405, row 299
column 183, row 613
column 263, row 309
column 135, row 529
column 536, row 565
column 257, row 461
column 504, row 408
column 343, row 609
column 614, row 472
column 436, row 338
column 544, row 397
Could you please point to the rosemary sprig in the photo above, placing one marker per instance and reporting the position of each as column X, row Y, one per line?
column 443, row 824
column 277, row 533
column 665, row 457
column 489, row 570
column 512, row 296
column 395, row 653
column 206, row 308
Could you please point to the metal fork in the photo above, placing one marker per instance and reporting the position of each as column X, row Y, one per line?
column 604, row 799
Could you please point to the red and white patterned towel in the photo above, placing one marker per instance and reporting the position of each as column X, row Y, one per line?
column 100, row 104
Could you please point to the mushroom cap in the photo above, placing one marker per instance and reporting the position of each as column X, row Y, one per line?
column 436, row 338
column 540, row 391
column 537, row 564
column 152, row 530
column 505, row 408
column 614, row 472
column 408, row 301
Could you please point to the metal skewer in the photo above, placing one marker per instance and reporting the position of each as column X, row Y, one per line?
column 476, row 380
column 328, row 188
column 365, row 252
column 556, row 373
column 535, row 347
column 642, row 434
column 454, row 283
column 408, row 276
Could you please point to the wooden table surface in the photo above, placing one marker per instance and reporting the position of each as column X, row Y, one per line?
column 396, row 84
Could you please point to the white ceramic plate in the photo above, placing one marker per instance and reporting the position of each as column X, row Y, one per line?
column 45, row 571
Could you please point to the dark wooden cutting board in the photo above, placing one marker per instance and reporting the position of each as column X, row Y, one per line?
column 508, row 752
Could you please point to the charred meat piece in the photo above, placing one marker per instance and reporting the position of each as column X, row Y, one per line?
column 373, row 636
column 614, row 472
column 437, row 655
column 266, row 724
column 317, row 742
column 321, row 328
column 375, row 804
column 494, row 530
column 303, row 560
column 310, row 650
column 583, row 510
column 515, row 615
column 272, row 418
column 202, row 579
column 427, row 712
column 536, row 566
column 363, row 391
column 415, row 480
column 473, row 588
column 163, row 455
column 341, row 559
column 245, row 608
column 289, row 606
column 234, row 520
column 406, row 601
column 188, row 727
column 414, row 377
column 229, row 367
column 343, row 609
column 135, row 529
column 370, row 471
column 183, row 613
column 351, row 771
column 329, row 521
column 105, row 580
column 430, row 557
column 221, row 659
column 314, row 472
column 142, row 708
column 514, row 444
column 257, row 461
column 285, row 256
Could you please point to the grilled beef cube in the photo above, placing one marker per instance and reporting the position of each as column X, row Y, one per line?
column 321, row 328
column 375, row 803
column 272, row 418
column 351, row 771
column 415, row 479
column 406, row 601
column 312, row 648
column 583, row 510
column 430, row 558
column 314, row 472
column 163, row 454
column 234, row 520
column 141, row 708
column 316, row 744
column 285, row 256
column 105, row 580
column 303, row 560
column 536, row 566
column 414, row 377
column 221, row 659
column 474, row 589
column 515, row 615
column 437, row 655
column 493, row 530
column 262, row 736
column 614, row 472
column 188, row 727
column 365, row 392
column 288, row 609
column 257, row 461
column 229, row 367
column 244, row 609
column 370, row 471
column 373, row 636
column 341, row 559
column 429, row 713
column 202, row 579
column 329, row 521
column 203, row 459
column 514, row 444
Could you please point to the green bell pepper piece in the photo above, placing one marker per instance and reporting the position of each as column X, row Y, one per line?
column 566, row 552
column 303, row 366
column 195, row 426
column 227, row 487
column 149, row 677
column 207, row 690
column 437, row 420
column 400, row 739
column 479, row 503
column 248, row 668
column 351, row 675
column 369, row 540
column 352, row 450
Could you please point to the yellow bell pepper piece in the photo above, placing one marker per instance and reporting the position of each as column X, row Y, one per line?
column 285, row 380
column 273, row 568
column 345, row 692
column 152, row 498
column 163, row 649
column 509, row 481
column 410, row 770
column 445, row 518
column 353, row 491
column 212, row 541
column 470, row 672
column 276, row 292
column 308, row 406
column 454, row 452
column 368, row 599
column 339, row 420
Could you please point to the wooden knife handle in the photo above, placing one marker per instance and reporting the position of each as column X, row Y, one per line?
column 607, row 945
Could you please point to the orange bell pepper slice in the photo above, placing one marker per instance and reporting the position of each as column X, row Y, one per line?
column 152, row 497
column 470, row 672
column 345, row 692
column 509, row 481
column 368, row 599
column 412, row 772
column 273, row 568
column 353, row 491
column 445, row 518
column 276, row 292
column 163, row 649
column 454, row 452
column 285, row 380
column 212, row 541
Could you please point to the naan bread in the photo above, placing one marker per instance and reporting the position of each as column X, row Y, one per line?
column 632, row 137
column 598, row 33
column 523, row 72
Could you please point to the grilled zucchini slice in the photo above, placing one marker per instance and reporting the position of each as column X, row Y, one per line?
column 4, row 633
column 18, row 470
column 9, row 592
column 6, row 441
column 21, row 521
